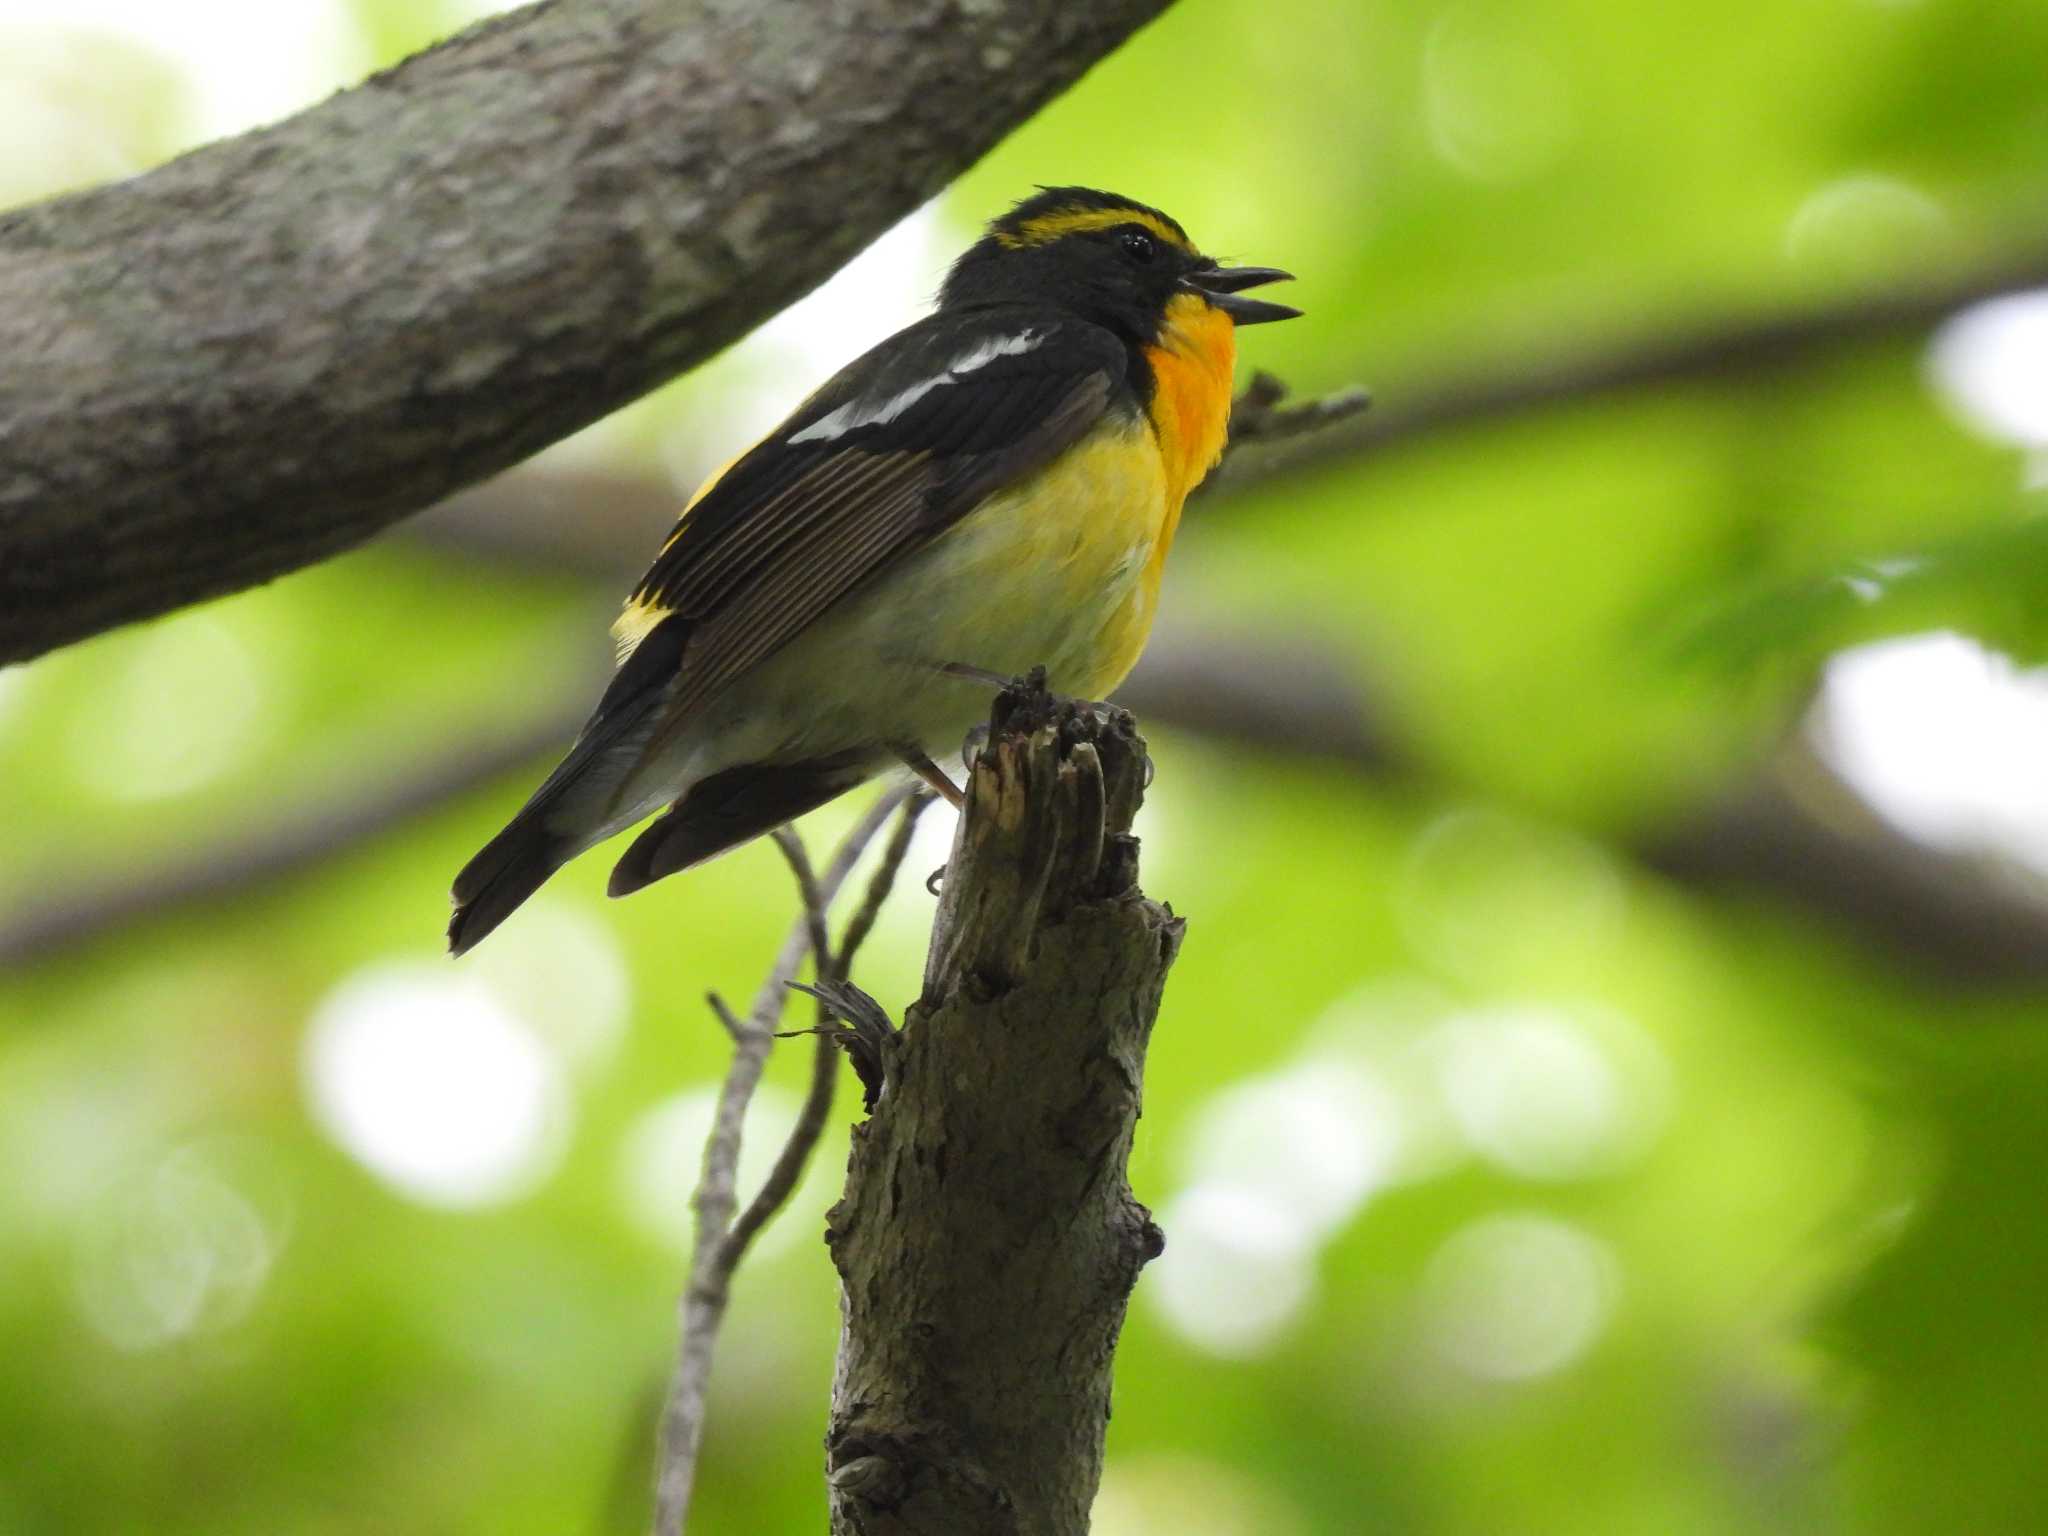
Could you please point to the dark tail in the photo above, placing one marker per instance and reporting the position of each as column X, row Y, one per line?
column 511, row 867
column 514, row 864
column 731, row 808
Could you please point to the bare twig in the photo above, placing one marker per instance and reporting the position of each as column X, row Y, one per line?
column 809, row 893
column 803, row 1137
column 714, row 1255
column 1261, row 414
column 862, row 923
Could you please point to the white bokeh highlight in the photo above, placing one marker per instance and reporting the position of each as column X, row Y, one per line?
column 430, row 1081
column 185, row 702
column 560, row 967
column 1274, row 1166
column 1944, row 738
column 173, row 1251
column 663, row 1154
column 1517, row 1296
column 1309, row 1143
column 1991, row 363
column 1236, row 1272
column 1547, row 1092
column 247, row 62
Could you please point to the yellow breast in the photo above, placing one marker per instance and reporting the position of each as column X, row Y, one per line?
column 1103, row 516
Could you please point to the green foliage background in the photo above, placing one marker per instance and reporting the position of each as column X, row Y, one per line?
column 1818, row 1255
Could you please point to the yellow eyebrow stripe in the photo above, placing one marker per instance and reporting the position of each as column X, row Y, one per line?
column 1060, row 223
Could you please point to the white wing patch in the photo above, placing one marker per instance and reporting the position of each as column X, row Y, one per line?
column 865, row 411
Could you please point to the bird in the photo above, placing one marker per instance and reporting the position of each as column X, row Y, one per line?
column 991, row 489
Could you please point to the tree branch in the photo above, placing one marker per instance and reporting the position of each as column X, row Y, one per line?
column 720, row 1244
column 295, row 839
column 1731, row 347
column 267, row 350
column 988, row 1240
column 604, row 526
column 1789, row 831
column 834, row 965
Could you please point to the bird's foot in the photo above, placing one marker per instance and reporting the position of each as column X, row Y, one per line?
column 865, row 1033
column 1026, row 704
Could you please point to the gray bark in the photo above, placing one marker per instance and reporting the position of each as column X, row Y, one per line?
column 988, row 1239
column 267, row 350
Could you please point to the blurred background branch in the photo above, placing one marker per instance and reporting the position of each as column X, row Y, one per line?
column 1568, row 374
column 1793, row 830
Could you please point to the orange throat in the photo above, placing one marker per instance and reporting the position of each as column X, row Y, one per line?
column 1192, row 363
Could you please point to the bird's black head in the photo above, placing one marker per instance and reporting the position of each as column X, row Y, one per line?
column 1115, row 261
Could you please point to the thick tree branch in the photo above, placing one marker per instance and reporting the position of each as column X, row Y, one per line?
column 265, row 351
column 988, row 1239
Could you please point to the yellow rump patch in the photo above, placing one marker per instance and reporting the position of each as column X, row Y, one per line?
column 1061, row 222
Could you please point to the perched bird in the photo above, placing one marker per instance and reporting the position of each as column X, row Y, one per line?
column 992, row 488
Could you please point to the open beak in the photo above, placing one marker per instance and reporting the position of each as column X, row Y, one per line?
column 1222, row 287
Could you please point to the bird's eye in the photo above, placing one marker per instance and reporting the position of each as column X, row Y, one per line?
column 1139, row 246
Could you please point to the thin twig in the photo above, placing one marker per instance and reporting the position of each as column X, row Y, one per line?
column 810, row 1121
column 803, row 1139
column 709, row 1285
column 1261, row 414
column 799, row 860
column 862, row 923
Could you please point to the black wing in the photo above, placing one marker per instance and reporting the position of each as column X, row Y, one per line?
column 886, row 456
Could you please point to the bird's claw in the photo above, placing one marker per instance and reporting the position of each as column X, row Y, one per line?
column 867, row 1035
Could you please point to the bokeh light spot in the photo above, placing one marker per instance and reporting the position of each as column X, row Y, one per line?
column 1513, row 1297
column 560, row 967
column 186, row 701
column 1945, row 739
column 175, row 1250
column 1187, row 1496
column 663, row 1155
column 1863, row 225
column 1551, row 1093
column 435, row 1086
column 1307, row 1145
column 1236, row 1271
column 247, row 61
column 1491, row 896
column 1991, row 363
column 1496, row 97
